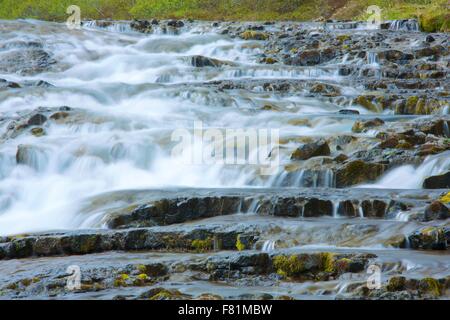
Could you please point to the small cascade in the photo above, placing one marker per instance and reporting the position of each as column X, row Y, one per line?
column 268, row 246
column 304, row 179
column 335, row 208
column 360, row 211
column 116, row 26
column 412, row 177
column 404, row 25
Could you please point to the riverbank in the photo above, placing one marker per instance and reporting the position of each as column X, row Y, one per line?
column 433, row 15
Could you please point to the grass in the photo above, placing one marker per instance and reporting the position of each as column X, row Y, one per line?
column 433, row 13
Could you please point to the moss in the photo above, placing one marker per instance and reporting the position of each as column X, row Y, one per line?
column 411, row 104
column 164, row 294
column 37, row 132
column 121, row 280
column 26, row 282
column 343, row 37
column 342, row 265
column 432, row 286
column 254, row 35
column 269, row 60
column 327, row 262
column 445, row 198
column 396, row 284
column 239, row 245
column 288, row 266
column 366, row 103
column 202, row 245
column 141, row 279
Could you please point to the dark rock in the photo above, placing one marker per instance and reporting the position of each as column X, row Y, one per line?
column 143, row 26
column 434, row 238
column 37, row 120
column 374, row 208
column 348, row 112
column 201, row 61
column 437, row 182
column 317, row 207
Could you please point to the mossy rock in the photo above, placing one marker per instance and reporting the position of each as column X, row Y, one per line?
column 431, row 286
column 289, row 266
column 366, row 103
column 396, row 284
column 202, row 245
column 445, row 198
column 254, row 35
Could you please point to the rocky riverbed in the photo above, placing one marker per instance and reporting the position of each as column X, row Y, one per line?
column 89, row 182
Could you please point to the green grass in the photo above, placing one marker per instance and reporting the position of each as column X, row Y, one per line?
column 433, row 13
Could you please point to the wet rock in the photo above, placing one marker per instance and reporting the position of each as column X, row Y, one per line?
column 317, row 207
column 362, row 126
column 25, row 62
column 356, row 172
column 37, row 120
column 143, row 26
column 437, row 182
column 57, row 116
column 310, row 150
column 374, row 208
column 9, row 84
column 348, row 112
column 395, row 56
column 201, row 61
column 436, row 210
column 434, row 238
column 366, row 103
column 175, row 23
column 346, row 208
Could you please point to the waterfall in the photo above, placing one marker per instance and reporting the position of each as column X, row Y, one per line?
column 404, row 25
column 268, row 246
column 412, row 177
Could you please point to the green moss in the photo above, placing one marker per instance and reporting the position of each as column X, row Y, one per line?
column 254, row 35
column 396, row 284
column 327, row 262
column 432, row 286
column 445, row 198
column 239, row 245
column 202, row 245
column 366, row 103
column 166, row 295
column 288, row 266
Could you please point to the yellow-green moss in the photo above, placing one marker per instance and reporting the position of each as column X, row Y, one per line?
column 202, row 245
column 364, row 102
column 239, row 245
column 254, row 35
column 327, row 262
column 445, row 198
column 288, row 266
column 432, row 286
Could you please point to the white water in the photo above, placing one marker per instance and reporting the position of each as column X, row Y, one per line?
column 412, row 177
column 128, row 94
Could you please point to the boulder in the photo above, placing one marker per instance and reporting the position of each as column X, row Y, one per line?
column 201, row 61
column 436, row 211
column 437, row 182
column 310, row 150
column 434, row 238
column 356, row 172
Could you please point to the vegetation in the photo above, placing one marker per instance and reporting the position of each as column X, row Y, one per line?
column 433, row 14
